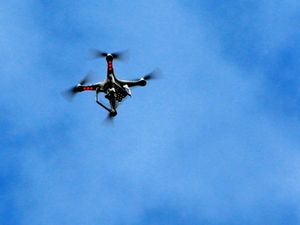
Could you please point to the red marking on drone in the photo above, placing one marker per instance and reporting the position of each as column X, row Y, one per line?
column 110, row 65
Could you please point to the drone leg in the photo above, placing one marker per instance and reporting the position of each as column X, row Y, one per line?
column 113, row 111
column 99, row 103
column 111, row 96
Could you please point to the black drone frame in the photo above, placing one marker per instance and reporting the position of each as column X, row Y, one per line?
column 115, row 90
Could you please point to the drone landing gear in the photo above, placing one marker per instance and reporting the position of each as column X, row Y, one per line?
column 112, row 112
column 99, row 103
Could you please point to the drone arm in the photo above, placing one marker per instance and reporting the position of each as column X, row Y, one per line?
column 132, row 83
column 91, row 87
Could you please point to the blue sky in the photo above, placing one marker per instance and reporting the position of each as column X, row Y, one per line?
column 214, row 142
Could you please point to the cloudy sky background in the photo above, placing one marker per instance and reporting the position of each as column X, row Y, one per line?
column 215, row 141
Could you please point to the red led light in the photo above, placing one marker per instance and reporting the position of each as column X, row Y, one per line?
column 110, row 65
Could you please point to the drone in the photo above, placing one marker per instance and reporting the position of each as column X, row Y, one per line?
column 114, row 90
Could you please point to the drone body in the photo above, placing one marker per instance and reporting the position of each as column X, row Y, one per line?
column 115, row 90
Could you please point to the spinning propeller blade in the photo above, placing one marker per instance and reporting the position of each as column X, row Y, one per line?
column 150, row 76
column 109, row 120
column 155, row 74
column 87, row 78
column 121, row 55
column 70, row 93
column 97, row 54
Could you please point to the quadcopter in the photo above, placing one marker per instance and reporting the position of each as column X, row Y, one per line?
column 114, row 90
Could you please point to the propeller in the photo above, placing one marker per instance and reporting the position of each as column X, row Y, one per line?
column 70, row 93
column 120, row 55
column 109, row 120
column 152, row 75
column 155, row 74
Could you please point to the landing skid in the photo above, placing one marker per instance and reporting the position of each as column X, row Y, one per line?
column 105, row 107
column 111, row 112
